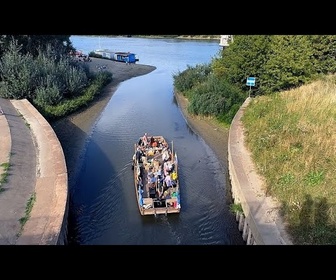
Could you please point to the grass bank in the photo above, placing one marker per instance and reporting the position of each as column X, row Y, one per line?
column 292, row 138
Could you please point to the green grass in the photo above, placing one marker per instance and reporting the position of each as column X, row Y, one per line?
column 29, row 207
column 27, row 124
column 292, row 137
column 68, row 106
column 236, row 208
column 3, row 177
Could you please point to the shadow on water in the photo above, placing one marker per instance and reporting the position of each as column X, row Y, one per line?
column 95, row 198
column 85, row 191
column 70, row 137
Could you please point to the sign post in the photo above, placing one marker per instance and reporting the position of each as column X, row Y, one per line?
column 250, row 81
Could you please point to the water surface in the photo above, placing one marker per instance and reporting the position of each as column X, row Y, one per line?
column 103, row 207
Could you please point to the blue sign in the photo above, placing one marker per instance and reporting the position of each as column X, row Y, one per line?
column 250, row 81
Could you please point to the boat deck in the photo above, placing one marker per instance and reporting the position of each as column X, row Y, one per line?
column 155, row 177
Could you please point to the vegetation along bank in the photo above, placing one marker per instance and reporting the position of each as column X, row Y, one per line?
column 290, row 123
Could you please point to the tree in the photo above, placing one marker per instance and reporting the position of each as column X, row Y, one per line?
column 34, row 43
column 244, row 57
column 324, row 53
column 290, row 63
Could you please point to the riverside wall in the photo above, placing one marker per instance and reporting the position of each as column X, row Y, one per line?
column 48, row 218
column 259, row 221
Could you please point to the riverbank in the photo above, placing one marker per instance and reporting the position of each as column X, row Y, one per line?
column 212, row 132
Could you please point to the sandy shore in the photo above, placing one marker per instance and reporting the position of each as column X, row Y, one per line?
column 73, row 130
column 213, row 133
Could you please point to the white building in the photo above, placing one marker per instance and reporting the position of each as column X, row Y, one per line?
column 225, row 40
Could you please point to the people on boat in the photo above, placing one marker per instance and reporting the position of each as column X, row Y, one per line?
column 154, row 143
column 165, row 154
column 158, row 164
column 140, row 183
column 168, row 181
column 151, row 189
column 151, row 178
column 168, row 167
column 138, row 155
column 158, row 173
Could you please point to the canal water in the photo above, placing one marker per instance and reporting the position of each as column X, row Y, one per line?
column 103, row 208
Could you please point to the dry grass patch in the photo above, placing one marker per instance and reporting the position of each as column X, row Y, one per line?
column 292, row 136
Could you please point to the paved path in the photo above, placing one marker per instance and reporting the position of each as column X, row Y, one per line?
column 17, row 147
column 37, row 170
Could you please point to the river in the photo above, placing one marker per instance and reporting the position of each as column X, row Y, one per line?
column 103, row 207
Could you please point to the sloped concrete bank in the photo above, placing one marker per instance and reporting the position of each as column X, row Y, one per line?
column 260, row 222
column 47, row 222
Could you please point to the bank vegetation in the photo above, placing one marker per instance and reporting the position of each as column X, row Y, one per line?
column 289, row 124
column 42, row 69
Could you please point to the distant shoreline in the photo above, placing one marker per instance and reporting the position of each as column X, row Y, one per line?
column 183, row 37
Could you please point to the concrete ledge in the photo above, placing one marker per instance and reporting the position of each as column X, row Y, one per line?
column 49, row 210
column 261, row 213
column 5, row 141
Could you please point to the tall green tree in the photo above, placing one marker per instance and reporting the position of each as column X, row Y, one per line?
column 245, row 57
column 324, row 47
column 33, row 44
column 290, row 63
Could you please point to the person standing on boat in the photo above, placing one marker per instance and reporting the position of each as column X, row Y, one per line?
column 138, row 155
column 140, row 183
column 168, row 181
column 165, row 155
column 145, row 140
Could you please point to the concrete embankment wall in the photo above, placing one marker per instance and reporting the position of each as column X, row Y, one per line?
column 260, row 222
column 48, row 218
column 5, row 141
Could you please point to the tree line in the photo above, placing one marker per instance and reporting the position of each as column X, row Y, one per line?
column 278, row 62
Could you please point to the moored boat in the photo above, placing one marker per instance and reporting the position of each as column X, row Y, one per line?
column 155, row 168
column 120, row 56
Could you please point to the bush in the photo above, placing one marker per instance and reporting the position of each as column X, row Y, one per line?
column 191, row 77
column 23, row 76
column 216, row 97
column 47, row 96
